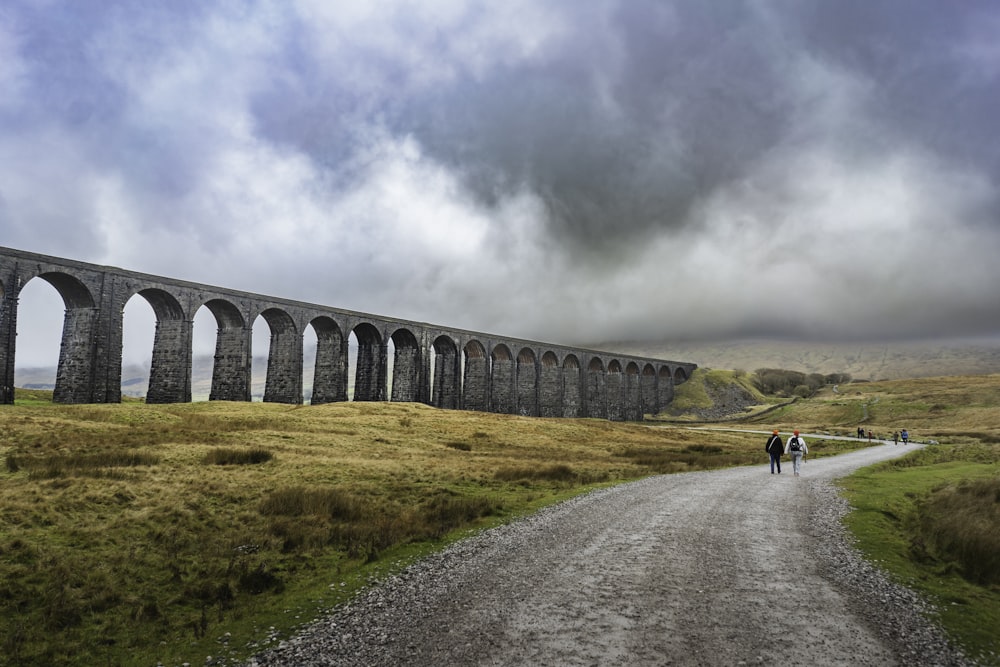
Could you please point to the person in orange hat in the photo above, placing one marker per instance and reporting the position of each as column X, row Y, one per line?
column 796, row 446
column 774, row 447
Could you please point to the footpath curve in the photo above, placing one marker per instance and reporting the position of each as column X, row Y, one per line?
column 726, row 567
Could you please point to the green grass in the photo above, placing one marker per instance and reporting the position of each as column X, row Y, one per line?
column 133, row 533
column 707, row 386
column 238, row 456
column 931, row 520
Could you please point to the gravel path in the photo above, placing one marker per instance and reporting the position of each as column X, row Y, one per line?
column 727, row 567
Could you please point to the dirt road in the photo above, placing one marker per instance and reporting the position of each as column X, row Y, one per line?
column 718, row 568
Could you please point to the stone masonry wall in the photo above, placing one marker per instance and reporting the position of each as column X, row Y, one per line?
column 471, row 370
column 502, row 387
column 550, row 392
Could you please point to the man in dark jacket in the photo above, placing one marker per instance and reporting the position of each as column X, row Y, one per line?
column 774, row 447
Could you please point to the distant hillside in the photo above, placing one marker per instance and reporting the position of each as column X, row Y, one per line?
column 863, row 361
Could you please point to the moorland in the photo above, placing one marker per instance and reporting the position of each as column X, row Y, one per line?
column 134, row 534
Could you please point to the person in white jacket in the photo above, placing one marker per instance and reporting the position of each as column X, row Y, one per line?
column 796, row 448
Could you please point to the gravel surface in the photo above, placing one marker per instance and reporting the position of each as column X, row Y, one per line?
column 730, row 567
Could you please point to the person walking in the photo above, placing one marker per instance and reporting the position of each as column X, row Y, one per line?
column 895, row 437
column 796, row 446
column 906, row 436
column 774, row 447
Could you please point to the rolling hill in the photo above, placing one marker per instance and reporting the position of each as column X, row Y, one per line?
column 863, row 361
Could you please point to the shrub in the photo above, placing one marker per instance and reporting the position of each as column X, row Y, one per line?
column 959, row 524
column 366, row 539
column 555, row 472
column 446, row 512
column 232, row 456
column 100, row 464
column 255, row 582
column 300, row 501
column 703, row 449
column 775, row 381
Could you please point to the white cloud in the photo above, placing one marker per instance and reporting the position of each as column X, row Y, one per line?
column 421, row 44
column 711, row 174
column 13, row 68
column 979, row 53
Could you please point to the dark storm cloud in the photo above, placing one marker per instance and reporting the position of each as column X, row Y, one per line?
column 568, row 170
column 628, row 118
column 635, row 113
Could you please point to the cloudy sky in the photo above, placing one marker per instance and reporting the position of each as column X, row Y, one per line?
column 563, row 170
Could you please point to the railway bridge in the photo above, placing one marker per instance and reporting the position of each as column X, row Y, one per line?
column 441, row 366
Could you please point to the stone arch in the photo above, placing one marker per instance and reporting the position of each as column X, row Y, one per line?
column 330, row 375
column 665, row 388
column 596, row 397
column 75, row 371
column 370, row 374
column 163, row 303
column 550, row 386
column 74, row 293
column 526, row 383
column 445, row 390
column 680, row 375
column 633, row 398
column 476, row 378
column 647, row 389
column 406, row 375
column 283, row 383
column 231, row 363
column 571, row 386
column 614, row 387
column 502, row 398
column 170, row 369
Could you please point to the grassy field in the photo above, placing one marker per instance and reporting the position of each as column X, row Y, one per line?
column 139, row 533
column 134, row 534
column 931, row 519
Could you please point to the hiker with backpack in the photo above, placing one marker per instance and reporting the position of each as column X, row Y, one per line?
column 796, row 447
column 774, row 448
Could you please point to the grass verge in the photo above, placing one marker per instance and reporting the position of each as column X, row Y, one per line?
column 932, row 520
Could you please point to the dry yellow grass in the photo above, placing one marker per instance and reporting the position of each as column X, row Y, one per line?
column 153, row 556
column 123, row 543
column 944, row 409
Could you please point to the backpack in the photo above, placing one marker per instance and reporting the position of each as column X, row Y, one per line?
column 793, row 445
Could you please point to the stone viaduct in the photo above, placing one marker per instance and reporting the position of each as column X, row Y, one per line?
column 444, row 367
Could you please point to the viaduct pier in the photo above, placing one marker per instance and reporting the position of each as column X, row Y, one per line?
column 440, row 366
